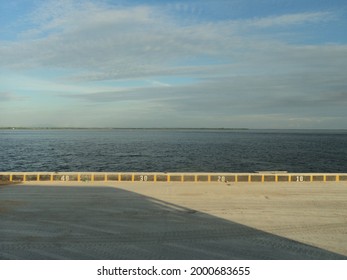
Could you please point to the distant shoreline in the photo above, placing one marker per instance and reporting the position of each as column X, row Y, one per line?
column 119, row 128
column 173, row 128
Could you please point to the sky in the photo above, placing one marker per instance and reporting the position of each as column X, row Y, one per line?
column 193, row 63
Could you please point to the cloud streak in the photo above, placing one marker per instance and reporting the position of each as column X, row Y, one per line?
column 6, row 96
column 292, row 19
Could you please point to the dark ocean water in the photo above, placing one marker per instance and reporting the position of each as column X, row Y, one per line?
column 173, row 150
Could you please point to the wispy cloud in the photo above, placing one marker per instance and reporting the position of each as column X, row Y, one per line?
column 129, row 40
column 133, row 42
column 6, row 96
column 291, row 19
column 10, row 96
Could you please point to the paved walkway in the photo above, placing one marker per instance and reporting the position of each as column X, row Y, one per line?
column 173, row 221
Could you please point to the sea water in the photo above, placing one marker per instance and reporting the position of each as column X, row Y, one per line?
column 170, row 150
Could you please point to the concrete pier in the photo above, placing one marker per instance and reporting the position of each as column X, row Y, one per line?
column 172, row 220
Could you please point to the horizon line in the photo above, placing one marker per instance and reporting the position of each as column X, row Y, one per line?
column 156, row 128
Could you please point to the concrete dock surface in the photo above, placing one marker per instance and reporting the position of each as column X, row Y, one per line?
column 146, row 220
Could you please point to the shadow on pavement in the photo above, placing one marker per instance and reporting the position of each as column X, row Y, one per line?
column 50, row 222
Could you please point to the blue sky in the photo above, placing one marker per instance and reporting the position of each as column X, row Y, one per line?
column 227, row 63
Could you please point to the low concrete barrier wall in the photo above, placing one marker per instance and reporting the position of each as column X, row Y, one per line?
column 169, row 177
